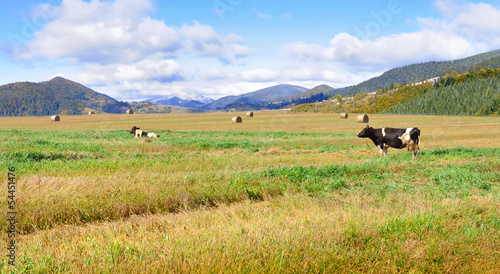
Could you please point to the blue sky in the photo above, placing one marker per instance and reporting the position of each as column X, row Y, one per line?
column 132, row 49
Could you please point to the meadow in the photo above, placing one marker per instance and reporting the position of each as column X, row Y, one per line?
column 279, row 193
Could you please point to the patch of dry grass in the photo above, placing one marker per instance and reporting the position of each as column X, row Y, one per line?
column 337, row 233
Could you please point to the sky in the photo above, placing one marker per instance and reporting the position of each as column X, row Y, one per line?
column 134, row 49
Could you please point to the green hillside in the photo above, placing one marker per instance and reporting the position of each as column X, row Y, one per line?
column 57, row 96
column 476, row 94
column 473, row 93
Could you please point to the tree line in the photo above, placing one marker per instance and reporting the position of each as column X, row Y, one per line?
column 475, row 93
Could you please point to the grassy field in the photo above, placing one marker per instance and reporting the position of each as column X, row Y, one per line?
column 281, row 192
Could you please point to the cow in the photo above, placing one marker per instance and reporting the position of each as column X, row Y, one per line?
column 393, row 137
column 140, row 133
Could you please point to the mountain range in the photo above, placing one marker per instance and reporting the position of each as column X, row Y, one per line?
column 262, row 96
column 176, row 101
column 63, row 96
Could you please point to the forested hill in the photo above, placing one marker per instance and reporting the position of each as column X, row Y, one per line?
column 423, row 71
column 57, row 96
column 476, row 92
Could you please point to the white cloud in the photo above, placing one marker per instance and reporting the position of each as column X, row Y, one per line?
column 480, row 23
column 203, row 41
column 264, row 15
column 213, row 74
column 387, row 51
column 395, row 50
column 304, row 51
column 101, row 32
column 122, row 32
column 466, row 30
column 148, row 70
column 259, row 75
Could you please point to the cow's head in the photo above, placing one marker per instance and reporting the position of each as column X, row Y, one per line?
column 133, row 130
column 365, row 132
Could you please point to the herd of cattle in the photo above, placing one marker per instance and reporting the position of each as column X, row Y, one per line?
column 382, row 137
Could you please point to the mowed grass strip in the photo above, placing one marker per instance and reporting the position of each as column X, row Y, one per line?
column 342, row 232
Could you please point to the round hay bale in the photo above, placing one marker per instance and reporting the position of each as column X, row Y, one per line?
column 91, row 112
column 55, row 118
column 363, row 118
column 344, row 115
column 130, row 111
column 249, row 114
column 236, row 119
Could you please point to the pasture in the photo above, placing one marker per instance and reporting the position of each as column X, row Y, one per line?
column 280, row 192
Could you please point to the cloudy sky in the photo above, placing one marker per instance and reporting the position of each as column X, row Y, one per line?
column 131, row 49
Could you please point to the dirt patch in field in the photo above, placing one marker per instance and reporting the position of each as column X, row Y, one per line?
column 277, row 151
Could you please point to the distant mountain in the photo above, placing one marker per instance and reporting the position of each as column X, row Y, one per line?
column 148, row 107
column 321, row 89
column 57, row 96
column 263, row 96
column 176, row 101
column 316, row 94
column 421, row 71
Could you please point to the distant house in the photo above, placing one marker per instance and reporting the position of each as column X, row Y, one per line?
column 433, row 80
column 372, row 95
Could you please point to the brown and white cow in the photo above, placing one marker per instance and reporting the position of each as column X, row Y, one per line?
column 393, row 137
column 140, row 133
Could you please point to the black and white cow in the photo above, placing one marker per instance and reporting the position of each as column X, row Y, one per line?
column 140, row 133
column 393, row 137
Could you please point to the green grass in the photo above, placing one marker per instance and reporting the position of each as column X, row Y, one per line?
column 187, row 170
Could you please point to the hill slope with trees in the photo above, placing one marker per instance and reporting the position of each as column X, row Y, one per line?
column 57, row 96
column 474, row 93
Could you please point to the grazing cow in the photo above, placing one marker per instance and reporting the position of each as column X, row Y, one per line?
column 393, row 137
column 140, row 133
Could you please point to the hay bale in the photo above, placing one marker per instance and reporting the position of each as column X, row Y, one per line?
column 236, row 119
column 55, row 118
column 130, row 111
column 249, row 114
column 363, row 118
column 344, row 115
column 91, row 112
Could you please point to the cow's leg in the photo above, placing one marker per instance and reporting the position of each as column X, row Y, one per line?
column 383, row 150
column 416, row 153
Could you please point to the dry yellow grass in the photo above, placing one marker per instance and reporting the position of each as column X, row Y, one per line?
column 291, row 234
column 437, row 131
